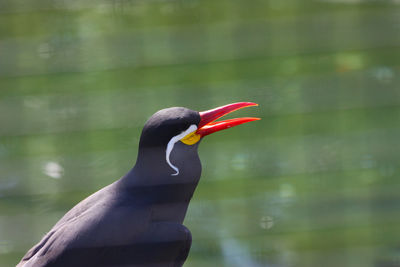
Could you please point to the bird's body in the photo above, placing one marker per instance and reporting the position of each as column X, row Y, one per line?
column 113, row 228
column 137, row 220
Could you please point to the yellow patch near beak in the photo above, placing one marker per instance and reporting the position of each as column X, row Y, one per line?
column 191, row 138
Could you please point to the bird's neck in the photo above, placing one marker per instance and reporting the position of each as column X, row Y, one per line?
column 152, row 166
column 167, row 201
column 152, row 181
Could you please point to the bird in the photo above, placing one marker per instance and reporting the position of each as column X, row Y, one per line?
column 138, row 219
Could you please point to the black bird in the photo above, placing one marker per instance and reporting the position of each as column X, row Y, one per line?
column 137, row 220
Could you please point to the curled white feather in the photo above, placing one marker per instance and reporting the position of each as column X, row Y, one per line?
column 171, row 145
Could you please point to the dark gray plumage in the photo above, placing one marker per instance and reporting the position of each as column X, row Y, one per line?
column 137, row 220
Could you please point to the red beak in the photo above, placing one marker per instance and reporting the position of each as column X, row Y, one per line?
column 209, row 125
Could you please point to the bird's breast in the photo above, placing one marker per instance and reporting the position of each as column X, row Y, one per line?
column 167, row 202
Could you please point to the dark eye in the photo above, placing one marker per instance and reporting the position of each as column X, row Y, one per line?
column 183, row 126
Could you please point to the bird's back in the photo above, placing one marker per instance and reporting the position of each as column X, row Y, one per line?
column 105, row 219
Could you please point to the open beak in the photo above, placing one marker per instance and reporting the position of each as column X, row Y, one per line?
column 209, row 125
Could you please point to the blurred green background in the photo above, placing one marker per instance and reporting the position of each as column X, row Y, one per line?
column 314, row 183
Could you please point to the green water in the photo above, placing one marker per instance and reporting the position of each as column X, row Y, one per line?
column 314, row 183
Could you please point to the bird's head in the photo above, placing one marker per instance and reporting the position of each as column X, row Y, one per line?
column 175, row 132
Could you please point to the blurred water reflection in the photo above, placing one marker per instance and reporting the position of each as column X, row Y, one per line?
column 314, row 183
